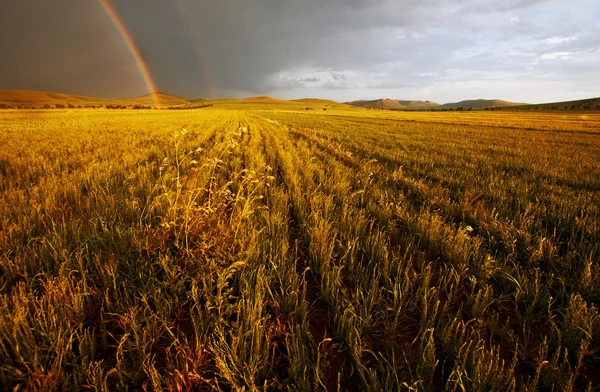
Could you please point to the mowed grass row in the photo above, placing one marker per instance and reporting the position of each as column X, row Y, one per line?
column 279, row 250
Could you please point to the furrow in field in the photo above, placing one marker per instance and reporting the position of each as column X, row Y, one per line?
column 444, row 243
column 358, row 273
column 488, row 220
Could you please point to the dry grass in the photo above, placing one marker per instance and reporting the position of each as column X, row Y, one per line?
column 261, row 249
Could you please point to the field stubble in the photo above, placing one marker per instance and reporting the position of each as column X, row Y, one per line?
column 274, row 249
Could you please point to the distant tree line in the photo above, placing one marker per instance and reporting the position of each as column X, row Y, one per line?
column 580, row 106
column 48, row 106
column 583, row 105
column 202, row 106
column 108, row 106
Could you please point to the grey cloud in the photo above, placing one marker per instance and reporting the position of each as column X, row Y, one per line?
column 283, row 83
column 393, row 84
column 487, row 6
column 243, row 46
column 214, row 48
column 310, row 79
column 339, row 85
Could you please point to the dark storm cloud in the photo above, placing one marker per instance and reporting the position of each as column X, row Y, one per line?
column 242, row 45
column 429, row 49
column 63, row 45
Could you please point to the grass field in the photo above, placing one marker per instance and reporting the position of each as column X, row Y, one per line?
column 257, row 247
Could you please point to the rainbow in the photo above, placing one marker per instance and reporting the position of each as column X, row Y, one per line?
column 133, row 49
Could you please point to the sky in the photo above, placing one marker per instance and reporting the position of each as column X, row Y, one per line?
column 439, row 50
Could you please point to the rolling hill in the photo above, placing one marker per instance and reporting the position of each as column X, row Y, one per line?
column 581, row 104
column 30, row 97
column 265, row 102
column 163, row 98
column 393, row 104
column 40, row 98
column 262, row 99
column 315, row 101
column 478, row 104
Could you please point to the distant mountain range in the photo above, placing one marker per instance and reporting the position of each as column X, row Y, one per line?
column 31, row 98
column 394, row 104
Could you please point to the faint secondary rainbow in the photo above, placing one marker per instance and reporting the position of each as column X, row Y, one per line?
column 195, row 48
column 135, row 53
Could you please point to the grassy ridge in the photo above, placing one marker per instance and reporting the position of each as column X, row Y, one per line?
column 41, row 98
column 277, row 249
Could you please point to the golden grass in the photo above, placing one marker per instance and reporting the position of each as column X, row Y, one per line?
column 250, row 246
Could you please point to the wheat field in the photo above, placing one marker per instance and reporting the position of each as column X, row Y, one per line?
column 270, row 248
